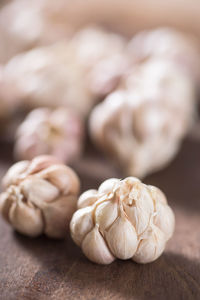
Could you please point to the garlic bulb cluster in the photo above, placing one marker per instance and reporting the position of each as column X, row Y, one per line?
column 170, row 44
column 142, row 125
column 70, row 73
column 39, row 196
column 123, row 219
column 48, row 76
column 56, row 132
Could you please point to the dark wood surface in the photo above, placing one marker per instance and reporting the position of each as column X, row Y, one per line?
column 42, row 268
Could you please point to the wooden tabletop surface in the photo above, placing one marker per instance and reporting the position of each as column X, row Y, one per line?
column 42, row 268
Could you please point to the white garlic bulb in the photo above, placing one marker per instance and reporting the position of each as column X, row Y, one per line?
column 39, row 196
column 147, row 119
column 122, row 219
column 57, row 132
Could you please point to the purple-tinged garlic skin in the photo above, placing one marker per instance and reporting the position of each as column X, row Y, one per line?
column 58, row 132
column 142, row 125
column 39, row 197
column 126, row 219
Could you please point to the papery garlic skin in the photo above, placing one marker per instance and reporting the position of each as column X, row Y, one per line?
column 56, row 132
column 170, row 44
column 109, row 228
column 39, row 196
column 142, row 125
column 8, row 102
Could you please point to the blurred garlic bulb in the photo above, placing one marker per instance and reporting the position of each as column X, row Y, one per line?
column 48, row 76
column 56, row 132
column 167, row 43
column 102, row 54
column 142, row 126
column 73, row 73
column 122, row 219
column 27, row 24
column 107, row 74
column 93, row 43
column 39, row 196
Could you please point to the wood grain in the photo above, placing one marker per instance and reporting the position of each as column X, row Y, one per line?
column 47, row 269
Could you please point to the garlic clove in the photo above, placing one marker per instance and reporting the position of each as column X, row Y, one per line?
column 151, row 246
column 105, row 214
column 165, row 219
column 81, row 223
column 13, row 174
column 5, row 205
column 95, row 248
column 131, row 180
column 138, row 217
column 39, row 191
column 107, row 185
column 63, row 177
column 122, row 238
column 26, row 218
column 57, row 215
column 87, row 198
column 139, row 207
column 40, row 163
column 157, row 194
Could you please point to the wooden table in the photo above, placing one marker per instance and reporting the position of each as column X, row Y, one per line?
column 42, row 268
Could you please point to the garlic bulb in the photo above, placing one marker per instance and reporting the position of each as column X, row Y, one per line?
column 107, row 74
column 147, row 119
column 56, row 132
column 122, row 219
column 93, row 43
column 102, row 54
column 39, row 196
column 170, row 44
column 48, row 76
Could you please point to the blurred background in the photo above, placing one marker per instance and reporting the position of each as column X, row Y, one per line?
column 125, row 76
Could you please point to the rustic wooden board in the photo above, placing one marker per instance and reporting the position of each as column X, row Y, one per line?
column 47, row 269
